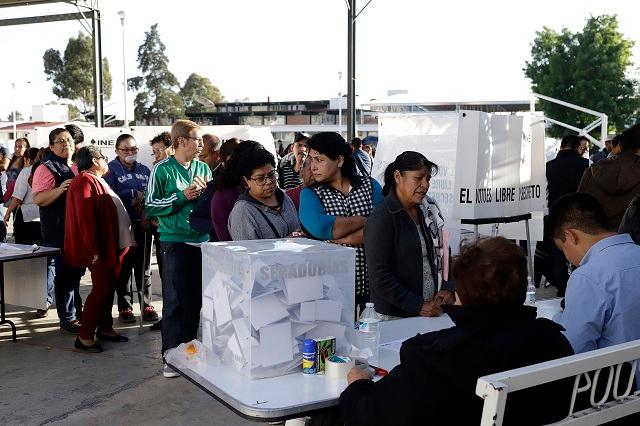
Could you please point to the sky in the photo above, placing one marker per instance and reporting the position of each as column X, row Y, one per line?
column 294, row 49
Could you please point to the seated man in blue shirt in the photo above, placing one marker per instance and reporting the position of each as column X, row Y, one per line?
column 602, row 303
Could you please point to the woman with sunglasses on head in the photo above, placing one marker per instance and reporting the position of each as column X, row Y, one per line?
column 16, row 164
column 263, row 210
column 26, row 222
column 128, row 178
column 405, row 271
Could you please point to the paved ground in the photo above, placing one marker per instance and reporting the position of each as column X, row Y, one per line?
column 43, row 381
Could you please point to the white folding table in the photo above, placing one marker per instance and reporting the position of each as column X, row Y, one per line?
column 23, row 280
column 297, row 395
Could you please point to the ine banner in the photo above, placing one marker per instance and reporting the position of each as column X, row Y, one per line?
column 105, row 138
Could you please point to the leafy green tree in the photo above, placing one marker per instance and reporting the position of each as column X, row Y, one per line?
column 18, row 116
column 590, row 68
column 72, row 74
column 197, row 92
column 157, row 101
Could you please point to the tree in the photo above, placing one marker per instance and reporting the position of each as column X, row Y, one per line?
column 18, row 116
column 195, row 92
column 72, row 75
column 157, row 101
column 590, row 68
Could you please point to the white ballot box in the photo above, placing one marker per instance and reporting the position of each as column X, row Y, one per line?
column 262, row 298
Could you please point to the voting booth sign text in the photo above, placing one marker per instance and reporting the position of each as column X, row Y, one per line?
column 499, row 167
column 262, row 298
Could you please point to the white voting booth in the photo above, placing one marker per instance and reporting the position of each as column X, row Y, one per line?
column 492, row 165
column 262, row 298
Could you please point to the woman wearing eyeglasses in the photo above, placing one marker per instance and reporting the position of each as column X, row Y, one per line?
column 97, row 236
column 262, row 210
column 128, row 178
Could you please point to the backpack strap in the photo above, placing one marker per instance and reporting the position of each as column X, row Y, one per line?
column 273, row 228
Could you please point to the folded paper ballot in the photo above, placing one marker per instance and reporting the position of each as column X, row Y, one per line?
column 328, row 310
column 221, row 305
column 275, row 344
column 207, row 308
column 266, row 310
column 299, row 290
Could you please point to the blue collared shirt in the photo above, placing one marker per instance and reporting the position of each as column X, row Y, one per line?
column 602, row 302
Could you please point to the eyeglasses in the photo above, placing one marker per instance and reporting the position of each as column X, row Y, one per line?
column 103, row 157
column 262, row 180
column 132, row 149
column 159, row 150
column 193, row 138
column 64, row 141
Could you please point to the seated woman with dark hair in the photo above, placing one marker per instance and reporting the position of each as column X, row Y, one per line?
column 97, row 235
column 403, row 243
column 436, row 379
column 263, row 210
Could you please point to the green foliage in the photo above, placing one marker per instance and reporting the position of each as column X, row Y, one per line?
column 157, row 101
column 72, row 75
column 18, row 116
column 75, row 114
column 590, row 68
column 195, row 92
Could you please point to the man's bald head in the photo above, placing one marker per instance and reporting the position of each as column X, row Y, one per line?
column 211, row 152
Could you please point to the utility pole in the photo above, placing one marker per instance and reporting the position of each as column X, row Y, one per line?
column 124, row 71
column 351, row 70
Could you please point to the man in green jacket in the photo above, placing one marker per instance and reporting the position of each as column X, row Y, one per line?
column 174, row 187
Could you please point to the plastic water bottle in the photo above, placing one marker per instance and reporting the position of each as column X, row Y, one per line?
column 368, row 334
column 530, row 299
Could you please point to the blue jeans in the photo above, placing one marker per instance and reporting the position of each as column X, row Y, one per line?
column 181, row 293
column 67, row 290
column 51, row 276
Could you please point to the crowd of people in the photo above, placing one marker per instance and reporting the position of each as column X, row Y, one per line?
column 204, row 189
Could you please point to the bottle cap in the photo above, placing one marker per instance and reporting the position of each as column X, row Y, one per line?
column 309, row 346
column 369, row 305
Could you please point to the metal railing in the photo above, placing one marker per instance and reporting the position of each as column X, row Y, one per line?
column 495, row 388
column 602, row 120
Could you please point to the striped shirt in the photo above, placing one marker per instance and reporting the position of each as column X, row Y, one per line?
column 287, row 176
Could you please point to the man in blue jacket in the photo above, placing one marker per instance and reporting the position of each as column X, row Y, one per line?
column 129, row 179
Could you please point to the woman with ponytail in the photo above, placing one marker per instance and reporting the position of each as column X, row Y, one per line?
column 335, row 208
column 403, row 241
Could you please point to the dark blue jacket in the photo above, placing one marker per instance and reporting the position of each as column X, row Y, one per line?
column 52, row 216
column 126, row 183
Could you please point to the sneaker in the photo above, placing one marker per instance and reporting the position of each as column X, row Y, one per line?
column 169, row 372
column 149, row 314
column 42, row 313
column 157, row 326
column 71, row 326
column 126, row 316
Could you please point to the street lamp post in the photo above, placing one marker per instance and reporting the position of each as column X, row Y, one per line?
column 124, row 71
column 13, row 109
column 340, row 103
